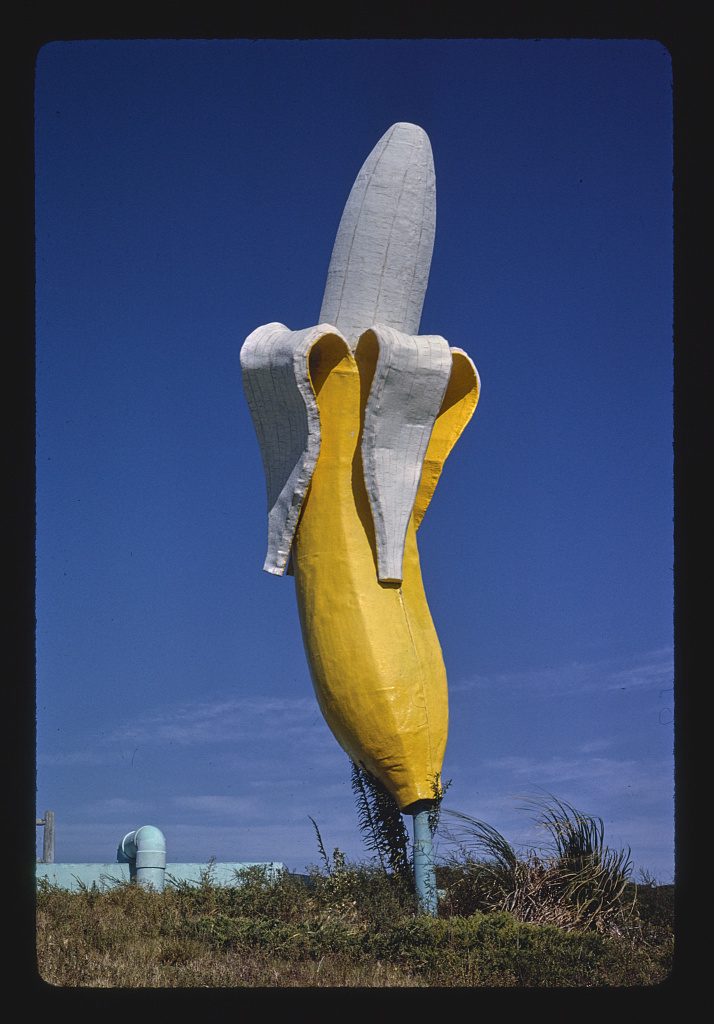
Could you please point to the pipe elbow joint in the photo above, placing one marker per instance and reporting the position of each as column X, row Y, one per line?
column 145, row 852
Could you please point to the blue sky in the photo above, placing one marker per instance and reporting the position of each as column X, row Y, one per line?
column 190, row 191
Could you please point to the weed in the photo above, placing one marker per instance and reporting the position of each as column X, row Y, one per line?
column 381, row 823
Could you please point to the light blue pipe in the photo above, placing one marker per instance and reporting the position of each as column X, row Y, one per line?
column 145, row 852
column 424, row 873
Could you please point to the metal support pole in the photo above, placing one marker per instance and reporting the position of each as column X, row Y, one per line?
column 424, row 874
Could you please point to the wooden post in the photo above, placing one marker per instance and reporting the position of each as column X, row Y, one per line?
column 48, row 839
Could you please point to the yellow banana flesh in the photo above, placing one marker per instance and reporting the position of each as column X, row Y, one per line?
column 374, row 656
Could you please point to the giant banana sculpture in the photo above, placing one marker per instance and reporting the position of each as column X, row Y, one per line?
column 355, row 418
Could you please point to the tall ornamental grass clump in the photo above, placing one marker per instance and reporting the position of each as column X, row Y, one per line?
column 575, row 882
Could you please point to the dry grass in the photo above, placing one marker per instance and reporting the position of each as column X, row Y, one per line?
column 356, row 927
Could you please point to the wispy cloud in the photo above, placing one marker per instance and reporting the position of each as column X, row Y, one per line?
column 243, row 723
column 603, row 777
column 90, row 757
column 654, row 670
column 111, row 809
column 219, row 721
column 596, row 746
column 215, row 806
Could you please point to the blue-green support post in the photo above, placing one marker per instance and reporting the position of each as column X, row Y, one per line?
column 424, row 873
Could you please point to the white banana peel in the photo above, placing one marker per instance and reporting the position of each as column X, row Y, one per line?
column 355, row 418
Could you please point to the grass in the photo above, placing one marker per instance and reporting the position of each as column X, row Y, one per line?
column 355, row 925
column 574, row 882
column 568, row 915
